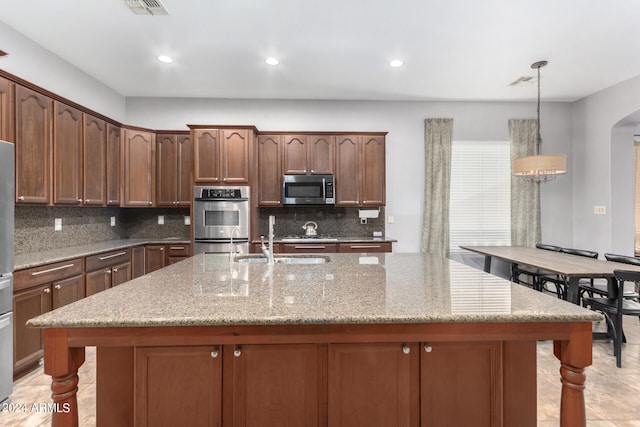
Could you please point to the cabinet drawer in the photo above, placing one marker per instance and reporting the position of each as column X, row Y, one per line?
column 178, row 250
column 107, row 259
column 47, row 273
column 365, row 247
column 290, row 248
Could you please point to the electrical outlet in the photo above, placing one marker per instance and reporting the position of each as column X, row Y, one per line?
column 390, row 219
column 600, row 210
column 160, row 219
column 187, row 220
column 57, row 224
column 113, row 221
column 363, row 220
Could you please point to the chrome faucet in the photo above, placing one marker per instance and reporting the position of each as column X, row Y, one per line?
column 231, row 251
column 268, row 253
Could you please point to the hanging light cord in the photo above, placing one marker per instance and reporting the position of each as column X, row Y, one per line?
column 538, row 136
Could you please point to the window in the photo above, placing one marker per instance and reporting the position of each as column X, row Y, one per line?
column 480, row 199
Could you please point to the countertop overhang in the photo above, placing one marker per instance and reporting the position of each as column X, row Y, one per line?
column 208, row 290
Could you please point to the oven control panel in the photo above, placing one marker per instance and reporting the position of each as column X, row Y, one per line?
column 221, row 193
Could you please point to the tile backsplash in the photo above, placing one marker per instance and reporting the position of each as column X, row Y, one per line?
column 338, row 222
column 34, row 226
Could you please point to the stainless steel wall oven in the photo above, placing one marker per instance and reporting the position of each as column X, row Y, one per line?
column 221, row 219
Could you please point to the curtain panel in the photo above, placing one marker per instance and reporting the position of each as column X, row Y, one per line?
column 437, row 148
column 525, row 195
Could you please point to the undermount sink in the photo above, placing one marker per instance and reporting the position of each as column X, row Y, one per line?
column 257, row 259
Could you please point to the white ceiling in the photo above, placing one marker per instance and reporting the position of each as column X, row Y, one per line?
column 340, row 49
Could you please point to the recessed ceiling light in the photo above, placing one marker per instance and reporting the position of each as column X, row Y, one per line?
column 164, row 58
column 271, row 61
column 396, row 63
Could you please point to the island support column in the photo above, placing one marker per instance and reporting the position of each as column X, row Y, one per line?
column 62, row 363
column 575, row 356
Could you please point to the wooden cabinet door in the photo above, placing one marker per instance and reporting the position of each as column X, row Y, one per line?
column 373, row 170
column 359, row 247
column 139, row 168
column 374, row 385
column 137, row 262
column 458, row 386
column 94, row 161
column 154, row 258
column 120, row 273
column 236, row 146
column 114, row 136
column 275, row 385
column 185, row 170
column 269, row 170
column 67, row 155
column 28, row 342
column 67, row 291
column 206, row 167
column 191, row 376
column 97, row 281
column 7, row 110
column 167, row 172
column 295, row 154
column 322, row 154
column 292, row 248
column 33, row 144
column 347, row 177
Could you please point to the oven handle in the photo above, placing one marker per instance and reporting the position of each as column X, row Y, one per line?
column 200, row 199
column 235, row 240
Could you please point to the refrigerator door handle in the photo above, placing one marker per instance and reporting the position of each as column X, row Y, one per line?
column 4, row 284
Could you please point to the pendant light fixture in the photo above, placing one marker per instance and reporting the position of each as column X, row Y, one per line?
column 539, row 167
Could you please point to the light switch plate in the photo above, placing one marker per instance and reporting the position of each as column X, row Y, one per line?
column 187, row 220
column 600, row 210
column 57, row 224
column 160, row 219
column 113, row 221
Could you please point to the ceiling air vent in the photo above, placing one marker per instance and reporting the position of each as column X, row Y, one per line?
column 147, row 7
column 523, row 81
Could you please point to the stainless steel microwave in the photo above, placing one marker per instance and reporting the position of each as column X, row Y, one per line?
column 308, row 190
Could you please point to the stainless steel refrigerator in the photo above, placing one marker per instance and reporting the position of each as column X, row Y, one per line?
column 7, row 198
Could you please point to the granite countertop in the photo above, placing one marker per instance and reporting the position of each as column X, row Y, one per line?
column 349, row 289
column 35, row 259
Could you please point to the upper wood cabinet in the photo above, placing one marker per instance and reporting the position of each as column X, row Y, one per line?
column 94, row 161
column 138, row 168
column 114, row 138
column 7, row 110
column 222, row 155
column 360, row 170
column 269, row 181
column 174, row 163
column 33, row 143
column 67, row 155
column 309, row 154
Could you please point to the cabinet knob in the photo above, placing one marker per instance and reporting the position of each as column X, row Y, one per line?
column 428, row 348
column 115, row 270
column 108, row 271
column 79, row 200
column 47, row 290
column 21, row 198
column 237, row 352
column 57, row 287
column 87, row 200
column 110, row 201
column 406, row 349
column 214, row 353
column 150, row 203
column 162, row 249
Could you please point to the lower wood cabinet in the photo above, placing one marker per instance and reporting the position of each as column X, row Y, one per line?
column 178, row 386
column 359, row 247
column 154, row 258
column 137, row 261
column 106, row 270
column 292, row 248
column 37, row 291
column 316, row 384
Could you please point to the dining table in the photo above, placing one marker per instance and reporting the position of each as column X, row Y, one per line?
column 570, row 268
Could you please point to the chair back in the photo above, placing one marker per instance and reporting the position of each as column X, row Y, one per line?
column 548, row 247
column 580, row 252
column 622, row 259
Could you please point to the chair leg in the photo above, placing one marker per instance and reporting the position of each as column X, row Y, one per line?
column 618, row 340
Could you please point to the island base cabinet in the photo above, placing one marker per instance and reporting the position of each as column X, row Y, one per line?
column 178, row 386
column 373, row 385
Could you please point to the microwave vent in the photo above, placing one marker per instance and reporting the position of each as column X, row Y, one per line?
column 147, row 7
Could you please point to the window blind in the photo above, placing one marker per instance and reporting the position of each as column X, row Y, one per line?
column 480, row 198
column 636, row 213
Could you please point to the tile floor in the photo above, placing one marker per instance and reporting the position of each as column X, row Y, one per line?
column 611, row 395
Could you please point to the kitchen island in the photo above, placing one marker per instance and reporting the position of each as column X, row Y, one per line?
column 358, row 340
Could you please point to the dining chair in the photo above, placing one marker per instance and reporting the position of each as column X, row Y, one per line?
column 615, row 307
column 600, row 288
column 532, row 274
column 556, row 281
